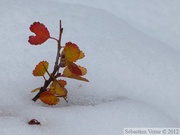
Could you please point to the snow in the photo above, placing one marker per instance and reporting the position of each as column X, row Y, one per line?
column 133, row 70
column 157, row 18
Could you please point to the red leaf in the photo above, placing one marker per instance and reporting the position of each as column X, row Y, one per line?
column 42, row 33
column 74, row 69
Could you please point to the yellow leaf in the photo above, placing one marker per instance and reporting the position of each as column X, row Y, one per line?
column 71, row 52
column 40, row 68
column 49, row 98
column 57, row 87
column 78, row 78
column 81, row 55
column 36, row 89
column 67, row 72
column 83, row 70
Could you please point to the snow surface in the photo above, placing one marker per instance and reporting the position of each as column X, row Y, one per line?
column 158, row 18
column 134, row 77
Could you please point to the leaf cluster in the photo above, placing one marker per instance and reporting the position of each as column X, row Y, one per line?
column 54, row 88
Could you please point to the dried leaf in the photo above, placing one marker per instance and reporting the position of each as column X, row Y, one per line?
column 34, row 122
column 42, row 33
column 36, row 89
column 39, row 69
column 77, row 78
column 57, row 88
column 71, row 52
column 49, row 98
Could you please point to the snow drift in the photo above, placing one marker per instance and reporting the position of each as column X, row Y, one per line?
column 134, row 78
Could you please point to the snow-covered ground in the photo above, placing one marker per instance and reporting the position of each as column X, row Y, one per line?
column 132, row 57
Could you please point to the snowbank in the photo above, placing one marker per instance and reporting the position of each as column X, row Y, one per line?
column 134, row 78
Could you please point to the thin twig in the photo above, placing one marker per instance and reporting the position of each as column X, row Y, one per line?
column 58, row 45
column 54, row 79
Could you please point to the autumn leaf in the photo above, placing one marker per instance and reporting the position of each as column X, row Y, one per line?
column 36, row 89
column 83, row 70
column 41, row 33
column 74, row 69
column 49, row 98
column 77, row 71
column 57, row 87
column 66, row 56
column 40, row 68
column 81, row 55
column 77, row 78
column 62, row 83
column 71, row 52
column 67, row 73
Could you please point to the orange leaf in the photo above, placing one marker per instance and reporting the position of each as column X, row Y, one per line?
column 49, row 98
column 71, row 52
column 62, row 83
column 69, row 72
column 42, row 33
column 39, row 69
column 74, row 69
column 57, row 88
